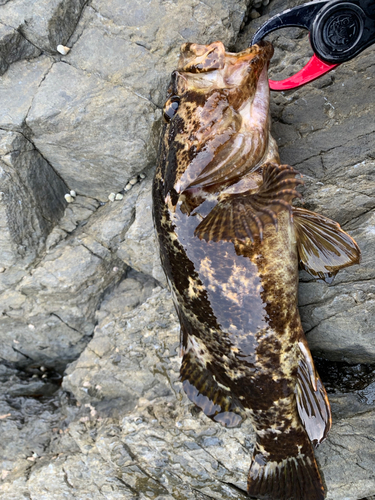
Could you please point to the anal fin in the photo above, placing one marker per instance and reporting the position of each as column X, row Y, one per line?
column 204, row 391
column 312, row 400
column 323, row 247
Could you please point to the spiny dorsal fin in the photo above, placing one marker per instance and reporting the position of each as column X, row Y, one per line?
column 243, row 216
column 323, row 247
column 312, row 400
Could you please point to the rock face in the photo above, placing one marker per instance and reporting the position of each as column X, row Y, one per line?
column 81, row 286
column 32, row 199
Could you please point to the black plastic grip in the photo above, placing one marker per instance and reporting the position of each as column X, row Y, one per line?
column 339, row 30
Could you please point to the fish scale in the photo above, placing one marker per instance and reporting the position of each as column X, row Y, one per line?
column 230, row 244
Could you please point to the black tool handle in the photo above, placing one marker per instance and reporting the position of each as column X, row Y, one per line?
column 339, row 30
column 302, row 16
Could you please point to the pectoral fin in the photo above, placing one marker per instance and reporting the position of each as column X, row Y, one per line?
column 312, row 400
column 243, row 216
column 323, row 247
column 203, row 390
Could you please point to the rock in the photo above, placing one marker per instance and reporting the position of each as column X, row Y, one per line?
column 32, row 200
column 101, row 154
column 13, row 47
column 125, row 359
column 28, row 426
column 139, row 249
column 113, row 220
column 60, row 298
column 44, row 24
column 16, row 99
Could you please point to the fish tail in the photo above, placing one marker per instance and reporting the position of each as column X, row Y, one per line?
column 291, row 478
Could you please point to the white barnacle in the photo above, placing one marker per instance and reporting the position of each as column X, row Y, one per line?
column 73, row 193
column 112, row 196
column 128, row 187
column 62, row 49
column 133, row 181
column 69, row 198
column 119, row 196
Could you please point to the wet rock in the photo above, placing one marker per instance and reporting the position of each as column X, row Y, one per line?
column 29, row 428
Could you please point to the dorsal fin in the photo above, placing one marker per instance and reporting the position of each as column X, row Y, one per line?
column 243, row 216
column 323, row 247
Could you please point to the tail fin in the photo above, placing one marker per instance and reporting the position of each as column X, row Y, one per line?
column 293, row 478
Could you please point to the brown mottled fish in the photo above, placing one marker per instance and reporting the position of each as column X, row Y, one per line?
column 230, row 244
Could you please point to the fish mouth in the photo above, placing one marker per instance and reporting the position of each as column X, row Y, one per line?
column 205, row 68
column 245, row 68
column 234, row 67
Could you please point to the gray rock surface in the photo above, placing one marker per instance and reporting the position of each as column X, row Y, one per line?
column 81, row 287
column 89, row 101
column 88, row 130
column 139, row 247
column 32, row 200
column 46, row 23
column 16, row 98
column 13, row 47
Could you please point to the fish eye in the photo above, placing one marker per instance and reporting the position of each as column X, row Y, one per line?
column 170, row 108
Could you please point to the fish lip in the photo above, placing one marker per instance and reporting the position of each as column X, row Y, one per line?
column 192, row 56
column 263, row 49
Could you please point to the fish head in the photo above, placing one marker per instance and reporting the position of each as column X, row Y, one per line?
column 217, row 116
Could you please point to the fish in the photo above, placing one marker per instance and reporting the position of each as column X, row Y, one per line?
column 231, row 244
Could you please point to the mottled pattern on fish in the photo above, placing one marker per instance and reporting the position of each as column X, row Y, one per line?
column 230, row 244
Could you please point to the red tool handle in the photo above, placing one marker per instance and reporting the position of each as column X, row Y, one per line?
column 313, row 70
